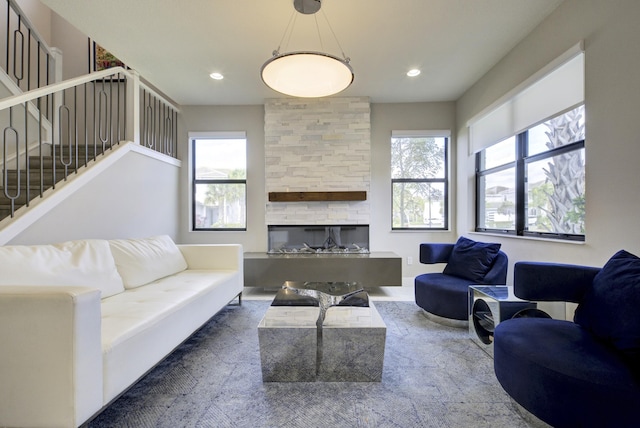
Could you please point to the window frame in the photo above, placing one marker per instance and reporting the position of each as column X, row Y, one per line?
column 444, row 180
column 194, row 182
column 522, row 160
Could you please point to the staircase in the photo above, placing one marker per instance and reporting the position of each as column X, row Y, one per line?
column 43, row 174
column 50, row 129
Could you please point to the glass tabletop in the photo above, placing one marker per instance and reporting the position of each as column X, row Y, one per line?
column 501, row 293
column 333, row 288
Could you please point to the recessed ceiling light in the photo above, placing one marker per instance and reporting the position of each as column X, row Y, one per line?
column 216, row 76
column 413, row 72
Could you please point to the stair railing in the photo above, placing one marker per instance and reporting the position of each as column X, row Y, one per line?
column 88, row 115
column 28, row 61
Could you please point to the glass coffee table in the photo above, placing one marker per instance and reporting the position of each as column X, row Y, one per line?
column 322, row 331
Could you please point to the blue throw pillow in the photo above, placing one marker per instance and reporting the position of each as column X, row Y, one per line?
column 611, row 306
column 471, row 260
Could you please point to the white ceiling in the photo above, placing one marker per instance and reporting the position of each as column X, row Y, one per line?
column 176, row 44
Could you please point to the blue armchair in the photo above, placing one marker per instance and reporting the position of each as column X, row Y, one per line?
column 575, row 374
column 469, row 262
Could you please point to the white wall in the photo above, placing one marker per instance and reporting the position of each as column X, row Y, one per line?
column 384, row 119
column 39, row 15
column 227, row 118
column 58, row 33
column 133, row 198
column 612, row 90
column 407, row 116
column 74, row 46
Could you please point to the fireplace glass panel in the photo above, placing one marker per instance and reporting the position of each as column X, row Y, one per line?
column 318, row 239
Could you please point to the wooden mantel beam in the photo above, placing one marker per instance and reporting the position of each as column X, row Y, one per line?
column 317, row 196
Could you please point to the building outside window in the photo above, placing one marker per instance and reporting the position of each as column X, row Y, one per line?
column 533, row 183
column 419, row 180
column 219, row 181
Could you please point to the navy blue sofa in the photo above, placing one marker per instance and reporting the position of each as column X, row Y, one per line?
column 469, row 262
column 575, row 374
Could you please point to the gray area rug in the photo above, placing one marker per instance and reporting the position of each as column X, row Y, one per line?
column 434, row 376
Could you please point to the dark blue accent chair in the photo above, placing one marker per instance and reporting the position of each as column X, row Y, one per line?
column 445, row 295
column 558, row 370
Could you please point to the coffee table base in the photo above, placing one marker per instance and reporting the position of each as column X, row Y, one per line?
column 348, row 348
column 353, row 343
column 288, row 337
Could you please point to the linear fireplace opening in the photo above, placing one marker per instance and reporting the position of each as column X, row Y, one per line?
column 311, row 239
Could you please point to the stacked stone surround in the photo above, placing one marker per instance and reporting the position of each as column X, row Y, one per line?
column 317, row 145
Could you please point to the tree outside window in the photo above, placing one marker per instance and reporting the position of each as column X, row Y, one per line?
column 534, row 183
column 419, row 182
column 219, row 183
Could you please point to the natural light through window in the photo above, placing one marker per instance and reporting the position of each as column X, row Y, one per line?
column 419, row 181
column 219, row 183
column 534, row 183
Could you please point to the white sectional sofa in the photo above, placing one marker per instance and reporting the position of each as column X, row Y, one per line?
column 81, row 321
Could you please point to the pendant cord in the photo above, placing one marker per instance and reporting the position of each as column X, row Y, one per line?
column 347, row 59
column 289, row 29
column 315, row 17
column 289, row 25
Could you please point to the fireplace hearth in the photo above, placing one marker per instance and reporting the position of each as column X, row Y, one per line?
column 323, row 253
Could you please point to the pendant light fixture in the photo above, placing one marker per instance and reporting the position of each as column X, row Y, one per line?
column 307, row 74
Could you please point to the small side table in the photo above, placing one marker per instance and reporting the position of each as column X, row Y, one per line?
column 488, row 306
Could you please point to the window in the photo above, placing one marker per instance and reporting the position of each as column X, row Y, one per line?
column 419, row 180
column 219, row 171
column 533, row 184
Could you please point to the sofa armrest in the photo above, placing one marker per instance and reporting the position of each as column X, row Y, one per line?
column 552, row 281
column 432, row 253
column 213, row 256
column 51, row 355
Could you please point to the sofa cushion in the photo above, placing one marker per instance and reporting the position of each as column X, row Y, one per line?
column 141, row 261
column 82, row 262
column 471, row 260
column 610, row 307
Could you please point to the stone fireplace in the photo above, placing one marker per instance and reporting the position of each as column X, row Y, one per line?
column 317, row 145
column 317, row 176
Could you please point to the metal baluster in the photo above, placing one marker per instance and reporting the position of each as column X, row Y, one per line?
column 110, row 116
column 65, row 124
column 148, row 123
column 40, row 153
column 52, row 119
column 7, row 130
column 15, row 53
column 168, row 126
column 26, row 154
column 8, row 41
column 155, row 124
column 75, row 126
column 38, row 70
column 118, row 110
column 124, row 113
column 29, row 60
column 175, row 134
column 102, row 99
column 95, row 119
column 86, row 126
